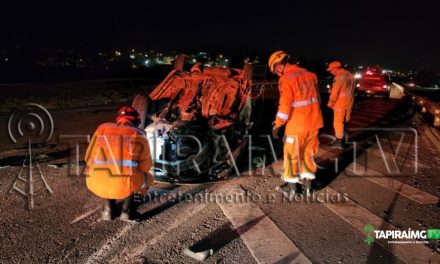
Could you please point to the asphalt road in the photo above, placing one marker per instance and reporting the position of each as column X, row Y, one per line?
column 64, row 227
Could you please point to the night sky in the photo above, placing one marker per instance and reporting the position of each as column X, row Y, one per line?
column 393, row 34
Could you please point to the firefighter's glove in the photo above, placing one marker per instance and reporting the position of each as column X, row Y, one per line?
column 275, row 132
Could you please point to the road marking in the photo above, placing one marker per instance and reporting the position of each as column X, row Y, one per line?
column 358, row 217
column 266, row 242
column 404, row 189
column 187, row 211
column 178, row 220
column 109, row 244
column 427, row 131
column 85, row 215
column 376, row 154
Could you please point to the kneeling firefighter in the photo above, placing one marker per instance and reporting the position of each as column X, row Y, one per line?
column 118, row 163
column 299, row 109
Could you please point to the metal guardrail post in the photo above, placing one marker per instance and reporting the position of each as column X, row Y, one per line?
column 427, row 106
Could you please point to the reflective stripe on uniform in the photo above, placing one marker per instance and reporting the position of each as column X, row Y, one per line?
column 290, row 140
column 304, row 102
column 294, row 74
column 125, row 163
column 283, row 116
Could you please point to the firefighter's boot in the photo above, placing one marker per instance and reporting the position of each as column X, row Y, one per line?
column 307, row 188
column 306, row 179
column 289, row 188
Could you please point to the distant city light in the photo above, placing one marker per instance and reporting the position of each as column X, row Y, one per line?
column 147, row 62
column 357, row 75
column 132, row 56
column 6, row 59
column 118, row 53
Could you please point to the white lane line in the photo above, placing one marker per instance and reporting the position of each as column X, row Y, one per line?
column 266, row 242
column 186, row 211
column 389, row 183
column 107, row 247
column 359, row 216
column 110, row 243
column 178, row 220
column 85, row 215
column 435, row 133
column 427, row 131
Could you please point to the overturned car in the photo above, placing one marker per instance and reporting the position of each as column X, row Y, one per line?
column 197, row 121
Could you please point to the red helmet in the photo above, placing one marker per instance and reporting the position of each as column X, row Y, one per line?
column 130, row 114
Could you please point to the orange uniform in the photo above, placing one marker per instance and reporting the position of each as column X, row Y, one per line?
column 118, row 161
column 341, row 100
column 299, row 107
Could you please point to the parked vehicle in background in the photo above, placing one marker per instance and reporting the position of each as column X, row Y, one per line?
column 373, row 82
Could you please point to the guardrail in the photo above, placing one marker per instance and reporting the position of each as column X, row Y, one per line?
column 427, row 106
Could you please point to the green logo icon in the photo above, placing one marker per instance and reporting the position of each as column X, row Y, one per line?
column 433, row 234
column 368, row 230
column 259, row 162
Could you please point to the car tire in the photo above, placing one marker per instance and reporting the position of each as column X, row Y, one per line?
column 140, row 103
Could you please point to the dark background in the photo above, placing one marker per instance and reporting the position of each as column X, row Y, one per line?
column 393, row 34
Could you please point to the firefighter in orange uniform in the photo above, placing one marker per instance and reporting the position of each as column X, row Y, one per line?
column 341, row 100
column 299, row 109
column 118, row 163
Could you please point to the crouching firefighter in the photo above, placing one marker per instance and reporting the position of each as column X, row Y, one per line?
column 118, row 163
column 299, row 109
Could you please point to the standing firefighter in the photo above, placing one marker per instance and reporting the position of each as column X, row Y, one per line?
column 299, row 107
column 341, row 100
column 118, row 163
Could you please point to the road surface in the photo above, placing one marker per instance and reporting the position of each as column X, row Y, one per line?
column 239, row 220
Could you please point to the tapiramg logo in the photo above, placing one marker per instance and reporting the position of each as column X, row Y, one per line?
column 408, row 236
column 369, row 230
column 433, row 234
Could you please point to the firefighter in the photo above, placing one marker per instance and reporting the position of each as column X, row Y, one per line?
column 299, row 109
column 118, row 163
column 341, row 100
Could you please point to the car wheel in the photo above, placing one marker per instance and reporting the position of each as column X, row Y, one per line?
column 140, row 103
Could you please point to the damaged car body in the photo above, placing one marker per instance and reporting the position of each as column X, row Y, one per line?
column 197, row 121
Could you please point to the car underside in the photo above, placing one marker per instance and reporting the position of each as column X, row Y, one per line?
column 197, row 121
